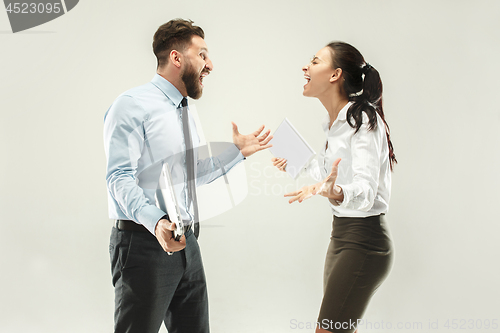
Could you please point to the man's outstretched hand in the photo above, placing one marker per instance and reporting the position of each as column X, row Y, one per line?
column 251, row 143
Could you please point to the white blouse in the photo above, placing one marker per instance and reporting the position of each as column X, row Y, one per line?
column 364, row 173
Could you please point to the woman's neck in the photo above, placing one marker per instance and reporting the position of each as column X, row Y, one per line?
column 333, row 103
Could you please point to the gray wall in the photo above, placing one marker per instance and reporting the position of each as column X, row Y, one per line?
column 439, row 64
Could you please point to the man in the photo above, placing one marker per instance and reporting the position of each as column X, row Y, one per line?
column 157, row 278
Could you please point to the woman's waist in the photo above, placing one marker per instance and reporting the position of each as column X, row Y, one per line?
column 370, row 232
column 360, row 227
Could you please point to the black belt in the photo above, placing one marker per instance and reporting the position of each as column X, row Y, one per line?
column 129, row 225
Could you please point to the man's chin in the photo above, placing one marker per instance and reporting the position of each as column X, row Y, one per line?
column 196, row 94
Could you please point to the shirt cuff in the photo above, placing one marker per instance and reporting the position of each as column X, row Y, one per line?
column 347, row 195
column 230, row 157
column 149, row 217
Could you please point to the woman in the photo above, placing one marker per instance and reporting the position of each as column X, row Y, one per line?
column 359, row 153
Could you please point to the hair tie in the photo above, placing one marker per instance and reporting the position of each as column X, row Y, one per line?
column 366, row 68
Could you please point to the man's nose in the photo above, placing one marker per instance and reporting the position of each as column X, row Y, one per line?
column 209, row 65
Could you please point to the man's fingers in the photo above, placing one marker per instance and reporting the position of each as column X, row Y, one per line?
column 175, row 248
column 165, row 235
column 257, row 132
column 264, row 136
column 171, row 245
column 235, row 128
column 264, row 147
column 265, row 142
column 171, row 226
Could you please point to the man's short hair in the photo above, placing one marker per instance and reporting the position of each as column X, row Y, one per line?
column 174, row 35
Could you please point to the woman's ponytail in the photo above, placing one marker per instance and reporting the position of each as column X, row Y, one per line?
column 363, row 86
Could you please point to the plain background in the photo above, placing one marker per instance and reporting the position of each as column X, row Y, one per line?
column 439, row 62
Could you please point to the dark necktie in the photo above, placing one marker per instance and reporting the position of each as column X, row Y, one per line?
column 191, row 179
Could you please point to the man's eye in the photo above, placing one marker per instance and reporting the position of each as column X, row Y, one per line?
column 202, row 56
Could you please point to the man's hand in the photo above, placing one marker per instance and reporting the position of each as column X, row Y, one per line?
column 251, row 143
column 165, row 236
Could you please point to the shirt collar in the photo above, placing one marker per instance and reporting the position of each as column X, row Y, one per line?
column 168, row 89
column 342, row 116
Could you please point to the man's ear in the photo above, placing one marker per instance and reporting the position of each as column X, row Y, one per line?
column 337, row 75
column 175, row 58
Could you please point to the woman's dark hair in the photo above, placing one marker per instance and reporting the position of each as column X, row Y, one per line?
column 363, row 86
column 174, row 35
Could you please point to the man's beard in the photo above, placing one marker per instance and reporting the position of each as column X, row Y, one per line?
column 191, row 80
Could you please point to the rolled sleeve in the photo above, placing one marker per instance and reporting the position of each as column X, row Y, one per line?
column 313, row 170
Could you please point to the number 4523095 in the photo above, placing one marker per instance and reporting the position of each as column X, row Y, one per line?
column 471, row 324
column 32, row 8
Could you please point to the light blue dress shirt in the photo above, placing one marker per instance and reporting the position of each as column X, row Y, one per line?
column 143, row 130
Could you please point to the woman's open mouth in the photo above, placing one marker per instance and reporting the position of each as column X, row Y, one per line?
column 308, row 79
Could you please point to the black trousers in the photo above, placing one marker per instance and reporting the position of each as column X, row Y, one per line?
column 152, row 287
column 358, row 260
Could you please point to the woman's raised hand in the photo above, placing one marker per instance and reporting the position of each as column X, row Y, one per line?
column 304, row 193
column 326, row 188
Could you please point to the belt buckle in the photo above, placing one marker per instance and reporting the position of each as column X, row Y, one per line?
column 187, row 225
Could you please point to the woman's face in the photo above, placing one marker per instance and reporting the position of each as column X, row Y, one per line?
column 318, row 74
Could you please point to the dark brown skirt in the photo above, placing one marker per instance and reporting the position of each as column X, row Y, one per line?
column 358, row 260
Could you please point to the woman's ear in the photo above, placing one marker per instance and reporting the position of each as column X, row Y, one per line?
column 336, row 75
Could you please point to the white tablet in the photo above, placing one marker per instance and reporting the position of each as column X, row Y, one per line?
column 289, row 144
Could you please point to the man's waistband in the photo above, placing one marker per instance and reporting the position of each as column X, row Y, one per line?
column 129, row 225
